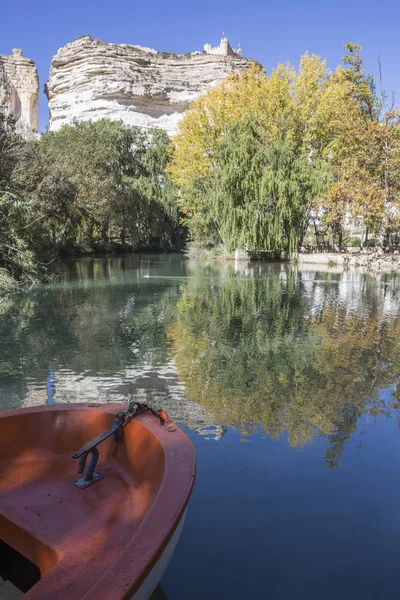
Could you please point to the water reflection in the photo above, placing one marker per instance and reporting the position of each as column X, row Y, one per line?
column 159, row 593
column 293, row 352
column 301, row 353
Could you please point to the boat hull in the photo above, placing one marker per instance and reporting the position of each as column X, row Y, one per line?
column 154, row 577
column 112, row 540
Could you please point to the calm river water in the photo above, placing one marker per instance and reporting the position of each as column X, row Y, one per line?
column 286, row 380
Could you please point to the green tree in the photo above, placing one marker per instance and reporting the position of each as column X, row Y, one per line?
column 259, row 193
column 17, row 261
column 88, row 187
column 97, row 182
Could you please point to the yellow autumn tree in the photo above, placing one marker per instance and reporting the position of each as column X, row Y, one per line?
column 363, row 148
column 309, row 91
column 331, row 117
column 238, row 96
column 284, row 105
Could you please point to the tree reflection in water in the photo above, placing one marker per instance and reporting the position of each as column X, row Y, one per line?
column 270, row 347
column 289, row 353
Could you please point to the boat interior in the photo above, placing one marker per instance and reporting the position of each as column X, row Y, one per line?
column 62, row 537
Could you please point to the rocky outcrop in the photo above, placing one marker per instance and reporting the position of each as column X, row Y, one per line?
column 19, row 92
column 91, row 80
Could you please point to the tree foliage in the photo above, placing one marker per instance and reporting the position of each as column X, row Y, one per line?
column 257, row 160
column 334, row 121
column 88, row 187
column 259, row 194
column 16, row 211
column 101, row 181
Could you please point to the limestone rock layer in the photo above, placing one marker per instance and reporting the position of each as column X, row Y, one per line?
column 91, row 80
column 19, row 92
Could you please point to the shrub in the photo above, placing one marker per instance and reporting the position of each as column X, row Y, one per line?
column 354, row 242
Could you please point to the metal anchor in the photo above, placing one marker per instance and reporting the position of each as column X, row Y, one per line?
column 91, row 476
column 121, row 420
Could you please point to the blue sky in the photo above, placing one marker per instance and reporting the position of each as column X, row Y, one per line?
column 269, row 31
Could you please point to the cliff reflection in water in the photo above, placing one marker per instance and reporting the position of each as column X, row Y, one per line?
column 302, row 353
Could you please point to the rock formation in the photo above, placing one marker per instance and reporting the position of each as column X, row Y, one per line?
column 19, row 91
column 91, row 79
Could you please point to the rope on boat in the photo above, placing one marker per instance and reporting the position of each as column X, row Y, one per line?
column 135, row 408
column 121, row 420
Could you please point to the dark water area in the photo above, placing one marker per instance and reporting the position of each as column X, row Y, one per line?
column 287, row 381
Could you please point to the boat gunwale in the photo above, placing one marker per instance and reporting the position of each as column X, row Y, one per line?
column 124, row 576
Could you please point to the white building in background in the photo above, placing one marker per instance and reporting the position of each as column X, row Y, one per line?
column 224, row 49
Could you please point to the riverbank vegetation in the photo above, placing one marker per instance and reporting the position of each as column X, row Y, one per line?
column 261, row 162
column 91, row 187
column 263, row 159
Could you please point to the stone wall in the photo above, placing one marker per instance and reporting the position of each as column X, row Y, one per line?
column 353, row 258
column 367, row 260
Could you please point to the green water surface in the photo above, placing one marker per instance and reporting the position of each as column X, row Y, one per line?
column 287, row 380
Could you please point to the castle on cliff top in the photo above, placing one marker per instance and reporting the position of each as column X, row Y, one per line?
column 224, row 49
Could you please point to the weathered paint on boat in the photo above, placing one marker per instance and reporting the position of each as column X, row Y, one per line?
column 112, row 540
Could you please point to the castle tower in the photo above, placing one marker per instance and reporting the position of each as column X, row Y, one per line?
column 224, row 49
column 224, row 46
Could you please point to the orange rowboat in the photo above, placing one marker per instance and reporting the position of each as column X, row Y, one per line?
column 106, row 532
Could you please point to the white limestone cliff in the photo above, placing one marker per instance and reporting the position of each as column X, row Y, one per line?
column 19, row 92
column 91, row 80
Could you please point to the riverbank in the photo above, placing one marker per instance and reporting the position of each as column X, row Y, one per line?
column 369, row 260
column 365, row 259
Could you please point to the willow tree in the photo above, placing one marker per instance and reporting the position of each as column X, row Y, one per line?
column 282, row 106
column 261, row 192
column 250, row 93
column 327, row 116
column 200, row 130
